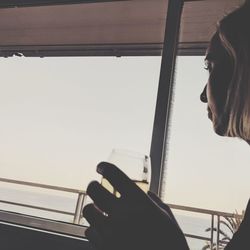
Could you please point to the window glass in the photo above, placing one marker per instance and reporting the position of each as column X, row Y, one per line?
column 203, row 170
column 61, row 116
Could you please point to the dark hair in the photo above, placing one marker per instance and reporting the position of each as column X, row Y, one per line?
column 234, row 34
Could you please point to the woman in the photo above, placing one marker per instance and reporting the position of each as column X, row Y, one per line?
column 227, row 92
column 139, row 221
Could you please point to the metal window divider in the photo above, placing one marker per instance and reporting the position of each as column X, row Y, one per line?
column 164, row 96
column 37, row 3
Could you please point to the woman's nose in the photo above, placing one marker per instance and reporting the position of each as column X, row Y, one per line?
column 203, row 96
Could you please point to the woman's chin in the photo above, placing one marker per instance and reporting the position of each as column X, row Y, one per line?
column 220, row 129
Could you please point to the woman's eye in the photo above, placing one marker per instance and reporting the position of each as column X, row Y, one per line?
column 208, row 66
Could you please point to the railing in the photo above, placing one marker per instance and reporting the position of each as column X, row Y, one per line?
column 79, row 203
column 216, row 216
column 214, row 242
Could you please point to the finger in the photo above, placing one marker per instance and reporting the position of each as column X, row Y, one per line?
column 120, row 181
column 94, row 216
column 94, row 238
column 102, row 198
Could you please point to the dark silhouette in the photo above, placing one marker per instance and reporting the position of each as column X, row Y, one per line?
column 139, row 221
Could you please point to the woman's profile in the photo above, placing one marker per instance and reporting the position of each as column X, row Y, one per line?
column 139, row 221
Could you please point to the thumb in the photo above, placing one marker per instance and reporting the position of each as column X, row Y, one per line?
column 155, row 198
column 162, row 205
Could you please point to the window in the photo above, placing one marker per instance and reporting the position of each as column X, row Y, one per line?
column 203, row 170
column 61, row 116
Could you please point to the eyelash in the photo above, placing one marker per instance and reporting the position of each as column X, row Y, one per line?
column 208, row 66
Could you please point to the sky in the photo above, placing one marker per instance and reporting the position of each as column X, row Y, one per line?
column 61, row 116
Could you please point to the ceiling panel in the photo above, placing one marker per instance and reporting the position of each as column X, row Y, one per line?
column 118, row 27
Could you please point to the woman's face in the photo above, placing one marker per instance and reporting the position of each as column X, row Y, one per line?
column 218, row 64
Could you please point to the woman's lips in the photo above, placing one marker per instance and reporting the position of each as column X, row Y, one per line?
column 209, row 113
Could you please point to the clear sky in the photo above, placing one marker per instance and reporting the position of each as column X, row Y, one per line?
column 61, row 116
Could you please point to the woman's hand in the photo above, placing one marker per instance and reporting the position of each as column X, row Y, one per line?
column 134, row 221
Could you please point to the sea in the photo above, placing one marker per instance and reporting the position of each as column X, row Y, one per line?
column 190, row 223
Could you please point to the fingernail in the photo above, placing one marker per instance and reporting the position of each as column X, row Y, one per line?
column 100, row 168
column 91, row 187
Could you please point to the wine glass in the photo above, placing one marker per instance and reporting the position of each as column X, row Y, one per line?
column 136, row 165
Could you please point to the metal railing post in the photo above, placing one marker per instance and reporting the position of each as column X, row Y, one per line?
column 212, row 233
column 79, row 207
column 218, row 233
